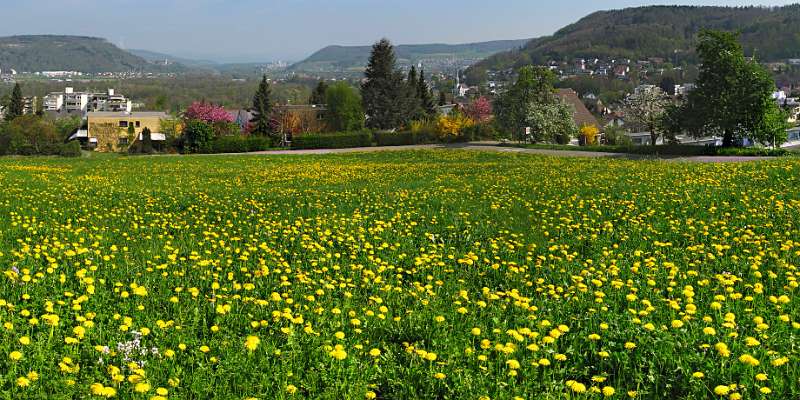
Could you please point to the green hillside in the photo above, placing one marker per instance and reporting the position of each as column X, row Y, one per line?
column 69, row 53
column 161, row 58
column 668, row 32
column 344, row 58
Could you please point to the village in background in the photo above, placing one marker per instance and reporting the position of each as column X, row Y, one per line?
column 430, row 97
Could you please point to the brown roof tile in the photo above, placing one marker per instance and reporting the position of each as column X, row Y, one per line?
column 582, row 115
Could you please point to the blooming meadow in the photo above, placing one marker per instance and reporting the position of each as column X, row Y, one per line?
column 408, row 275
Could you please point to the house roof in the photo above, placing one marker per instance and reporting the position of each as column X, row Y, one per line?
column 123, row 114
column 317, row 107
column 582, row 116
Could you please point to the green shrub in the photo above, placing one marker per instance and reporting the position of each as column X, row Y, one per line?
column 70, row 149
column 670, row 150
column 425, row 131
column 47, row 149
column 228, row 144
column 332, row 140
column 395, row 138
column 198, row 136
column 238, row 144
column 615, row 136
column 563, row 138
column 753, row 151
column 482, row 131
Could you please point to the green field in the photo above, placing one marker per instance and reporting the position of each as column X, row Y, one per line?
column 405, row 275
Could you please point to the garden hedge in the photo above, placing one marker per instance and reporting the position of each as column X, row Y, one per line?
column 238, row 144
column 396, row 138
column 340, row 140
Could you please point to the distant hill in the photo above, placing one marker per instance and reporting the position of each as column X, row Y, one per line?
column 772, row 34
column 70, row 53
column 354, row 58
column 166, row 59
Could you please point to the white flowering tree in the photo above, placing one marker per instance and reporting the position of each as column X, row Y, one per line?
column 645, row 108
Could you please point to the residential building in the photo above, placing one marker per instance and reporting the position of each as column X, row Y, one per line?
column 642, row 138
column 621, row 71
column 72, row 102
column 116, row 131
column 53, row 102
column 241, row 118
column 59, row 74
column 446, row 109
column 793, row 138
column 644, row 89
column 28, row 106
column 110, row 101
column 683, row 90
column 581, row 115
column 301, row 118
column 461, row 90
column 794, row 112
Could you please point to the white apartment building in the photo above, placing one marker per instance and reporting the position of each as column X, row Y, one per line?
column 70, row 101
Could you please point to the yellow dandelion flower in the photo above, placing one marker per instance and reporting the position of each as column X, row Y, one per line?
column 251, row 343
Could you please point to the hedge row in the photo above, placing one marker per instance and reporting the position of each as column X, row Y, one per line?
column 668, row 150
column 70, row 149
column 332, row 140
column 238, row 144
column 397, row 138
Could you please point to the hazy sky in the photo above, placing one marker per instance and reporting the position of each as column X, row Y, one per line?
column 264, row 30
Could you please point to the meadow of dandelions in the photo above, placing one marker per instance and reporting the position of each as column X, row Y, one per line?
column 409, row 275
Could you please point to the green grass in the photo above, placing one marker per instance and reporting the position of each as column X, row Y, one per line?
column 505, row 266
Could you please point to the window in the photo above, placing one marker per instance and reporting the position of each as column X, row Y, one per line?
column 123, row 141
column 138, row 123
column 123, row 124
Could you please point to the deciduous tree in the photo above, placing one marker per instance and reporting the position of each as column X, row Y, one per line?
column 531, row 103
column 31, row 133
column 344, row 108
column 550, row 122
column 199, row 135
column 645, row 109
column 207, row 112
column 480, row 110
column 733, row 94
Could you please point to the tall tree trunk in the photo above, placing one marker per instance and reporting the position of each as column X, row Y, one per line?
column 727, row 139
column 653, row 135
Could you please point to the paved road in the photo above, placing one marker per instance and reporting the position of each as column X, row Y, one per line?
column 488, row 146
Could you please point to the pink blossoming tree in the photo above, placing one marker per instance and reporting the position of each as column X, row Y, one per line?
column 207, row 112
column 479, row 110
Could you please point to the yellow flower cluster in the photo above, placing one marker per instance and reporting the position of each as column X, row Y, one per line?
column 425, row 274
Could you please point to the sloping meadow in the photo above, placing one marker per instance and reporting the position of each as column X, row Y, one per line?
column 424, row 275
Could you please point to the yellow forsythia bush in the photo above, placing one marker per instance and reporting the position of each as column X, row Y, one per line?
column 450, row 126
column 590, row 132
